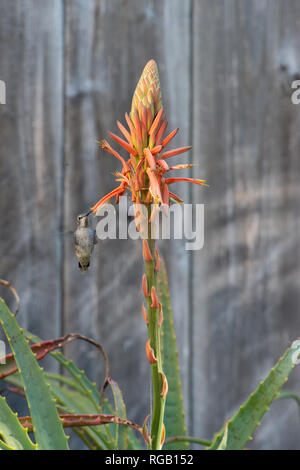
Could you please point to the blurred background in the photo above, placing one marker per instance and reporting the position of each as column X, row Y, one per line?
column 226, row 69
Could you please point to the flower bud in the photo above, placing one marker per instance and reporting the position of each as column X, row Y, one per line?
column 150, row 353
column 155, row 303
column 145, row 286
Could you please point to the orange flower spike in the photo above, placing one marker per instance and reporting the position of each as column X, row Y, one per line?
column 124, row 132
column 150, row 353
column 130, row 149
column 145, row 286
column 145, row 315
column 146, row 252
column 150, row 159
column 171, row 153
column 155, row 303
column 169, row 137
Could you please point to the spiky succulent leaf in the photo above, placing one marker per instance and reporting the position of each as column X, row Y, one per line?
column 241, row 427
column 174, row 410
column 12, row 434
column 49, row 432
column 120, row 410
column 86, row 401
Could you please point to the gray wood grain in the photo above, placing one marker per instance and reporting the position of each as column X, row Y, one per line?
column 31, row 64
column 226, row 70
column 246, row 311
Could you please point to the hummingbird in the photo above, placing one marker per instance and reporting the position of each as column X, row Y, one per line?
column 85, row 239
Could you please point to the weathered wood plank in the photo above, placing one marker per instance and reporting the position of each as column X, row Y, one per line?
column 107, row 46
column 226, row 70
column 245, row 280
column 31, row 64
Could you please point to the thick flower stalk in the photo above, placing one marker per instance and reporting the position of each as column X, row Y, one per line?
column 144, row 174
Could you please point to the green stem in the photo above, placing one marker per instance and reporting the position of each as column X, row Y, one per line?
column 154, row 332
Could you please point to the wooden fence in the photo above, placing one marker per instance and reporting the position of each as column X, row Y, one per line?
column 226, row 68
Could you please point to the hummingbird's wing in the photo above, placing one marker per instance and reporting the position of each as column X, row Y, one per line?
column 76, row 238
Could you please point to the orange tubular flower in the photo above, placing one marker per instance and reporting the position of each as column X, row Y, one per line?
column 145, row 143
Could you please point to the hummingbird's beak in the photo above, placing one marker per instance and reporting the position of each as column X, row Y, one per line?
column 85, row 215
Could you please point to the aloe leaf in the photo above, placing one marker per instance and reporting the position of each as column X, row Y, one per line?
column 87, row 401
column 287, row 394
column 48, row 428
column 5, row 447
column 120, row 410
column 224, row 441
column 174, row 410
column 134, row 442
column 78, row 403
column 12, row 434
column 193, row 440
column 89, row 388
column 248, row 417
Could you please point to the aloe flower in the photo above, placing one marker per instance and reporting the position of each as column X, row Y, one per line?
column 144, row 174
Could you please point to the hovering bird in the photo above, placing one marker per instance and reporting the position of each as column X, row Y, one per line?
column 85, row 239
